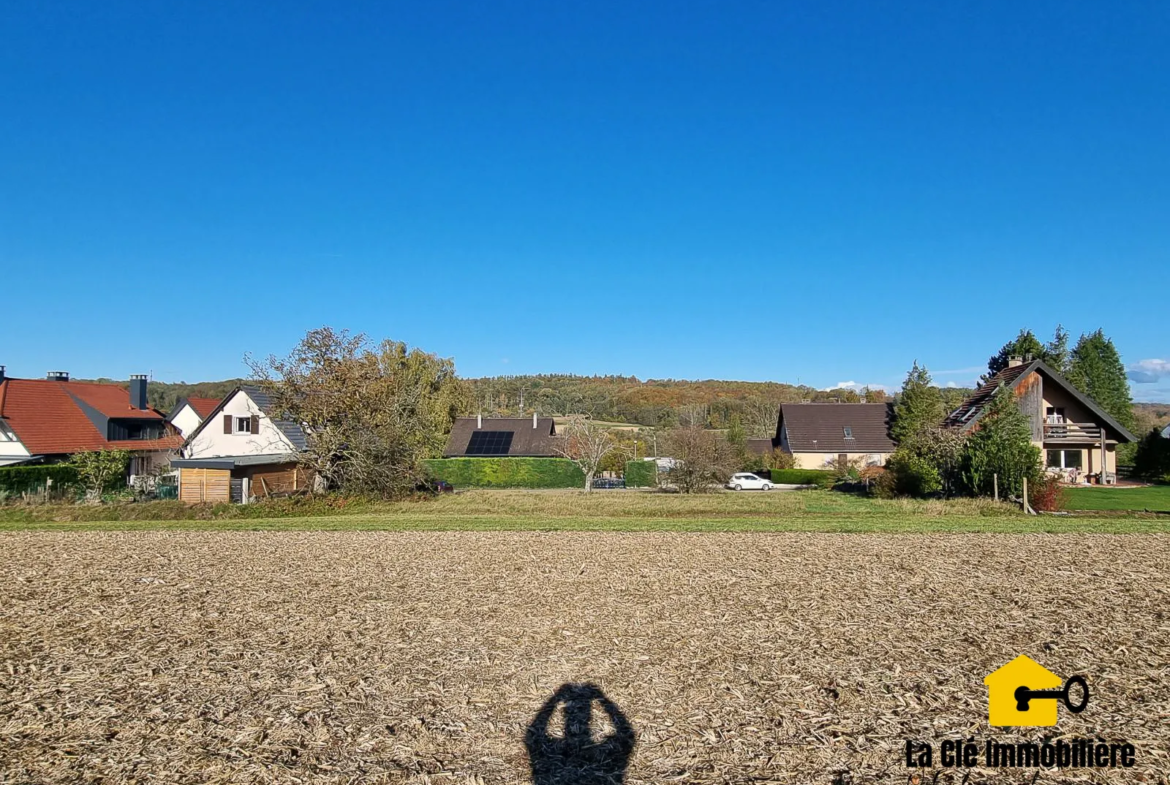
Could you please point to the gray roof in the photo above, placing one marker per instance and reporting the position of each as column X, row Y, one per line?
column 290, row 429
column 232, row 461
column 821, row 427
column 293, row 432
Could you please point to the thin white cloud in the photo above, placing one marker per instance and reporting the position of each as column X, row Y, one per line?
column 852, row 385
column 1148, row 371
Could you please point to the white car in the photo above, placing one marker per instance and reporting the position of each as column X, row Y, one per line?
column 744, row 481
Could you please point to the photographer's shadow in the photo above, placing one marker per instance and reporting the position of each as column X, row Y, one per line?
column 576, row 757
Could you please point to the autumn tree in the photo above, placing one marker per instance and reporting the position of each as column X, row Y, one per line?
column 702, row 459
column 587, row 444
column 918, row 408
column 370, row 413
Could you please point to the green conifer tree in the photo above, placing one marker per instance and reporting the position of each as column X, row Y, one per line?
column 1000, row 446
column 919, row 407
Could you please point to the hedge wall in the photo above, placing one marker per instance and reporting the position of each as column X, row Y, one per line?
column 20, row 479
column 507, row 472
column 818, row 477
column 641, row 474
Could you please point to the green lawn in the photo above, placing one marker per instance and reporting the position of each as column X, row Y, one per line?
column 1155, row 498
column 805, row 511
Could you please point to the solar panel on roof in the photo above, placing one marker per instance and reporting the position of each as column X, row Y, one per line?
column 490, row 443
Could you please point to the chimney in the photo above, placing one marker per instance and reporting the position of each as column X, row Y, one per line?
column 1015, row 360
column 2, row 367
column 534, row 421
column 478, row 421
column 57, row 376
column 137, row 391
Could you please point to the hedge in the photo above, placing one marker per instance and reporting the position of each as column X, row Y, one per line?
column 641, row 474
column 22, row 479
column 507, row 472
column 818, row 477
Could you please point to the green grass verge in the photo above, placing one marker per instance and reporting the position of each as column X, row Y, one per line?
column 1155, row 498
column 807, row 511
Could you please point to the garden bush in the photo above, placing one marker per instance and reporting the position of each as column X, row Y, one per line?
column 818, row 477
column 506, row 472
column 1048, row 495
column 908, row 474
column 641, row 474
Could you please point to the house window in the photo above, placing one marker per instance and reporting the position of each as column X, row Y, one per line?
column 243, row 425
column 848, row 432
column 6, row 434
column 1064, row 459
column 1054, row 415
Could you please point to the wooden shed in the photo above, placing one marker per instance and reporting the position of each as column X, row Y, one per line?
column 239, row 479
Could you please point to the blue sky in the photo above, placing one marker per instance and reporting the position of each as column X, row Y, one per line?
column 808, row 191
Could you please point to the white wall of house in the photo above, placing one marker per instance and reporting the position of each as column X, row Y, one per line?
column 186, row 420
column 817, row 460
column 11, row 448
column 212, row 442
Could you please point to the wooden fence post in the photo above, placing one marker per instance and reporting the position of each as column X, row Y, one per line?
column 995, row 483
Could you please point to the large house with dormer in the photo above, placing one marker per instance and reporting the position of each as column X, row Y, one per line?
column 1078, row 438
column 48, row 420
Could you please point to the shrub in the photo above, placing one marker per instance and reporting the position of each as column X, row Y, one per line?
column 1152, row 457
column 101, row 471
column 641, row 474
column 909, row 474
column 1048, row 495
column 506, row 472
column 845, row 469
column 817, row 477
column 779, row 459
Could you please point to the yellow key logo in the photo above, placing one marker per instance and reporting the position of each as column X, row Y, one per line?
column 1024, row 693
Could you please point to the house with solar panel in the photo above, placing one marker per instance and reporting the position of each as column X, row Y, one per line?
column 502, row 437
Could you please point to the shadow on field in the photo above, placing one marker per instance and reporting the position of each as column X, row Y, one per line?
column 576, row 756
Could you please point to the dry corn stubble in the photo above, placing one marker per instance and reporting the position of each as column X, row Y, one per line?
column 422, row 657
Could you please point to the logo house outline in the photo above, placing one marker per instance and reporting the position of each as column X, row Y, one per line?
column 1003, row 702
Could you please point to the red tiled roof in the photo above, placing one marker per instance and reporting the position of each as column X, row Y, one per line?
column 203, row 406
column 46, row 417
column 111, row 400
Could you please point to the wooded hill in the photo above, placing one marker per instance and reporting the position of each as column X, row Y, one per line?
column 627, row 399
column 658, row 402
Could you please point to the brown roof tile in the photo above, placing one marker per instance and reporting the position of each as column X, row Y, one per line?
column 820, row 427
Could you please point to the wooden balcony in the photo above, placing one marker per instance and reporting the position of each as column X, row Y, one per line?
column 1071, row 433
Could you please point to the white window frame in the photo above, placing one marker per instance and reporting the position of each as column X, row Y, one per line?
column 1063, row 454
column 246, row 420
